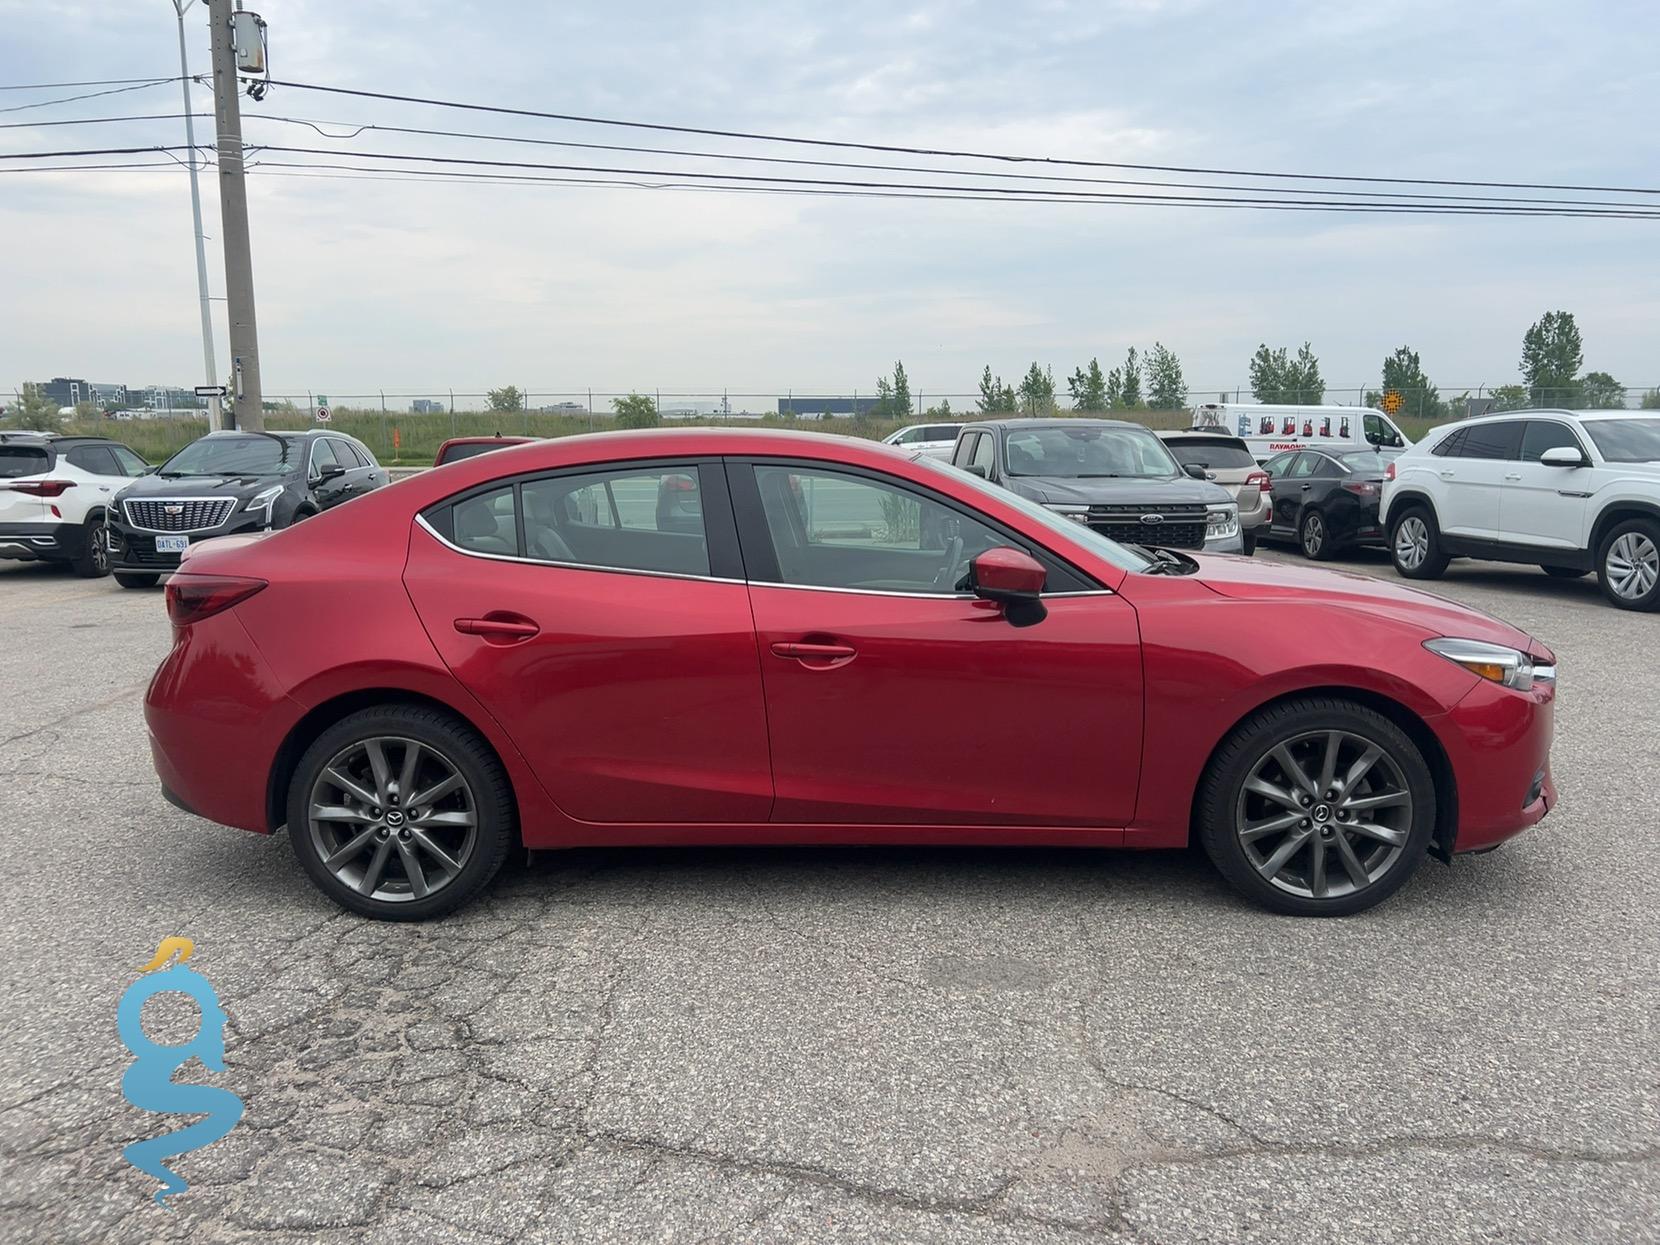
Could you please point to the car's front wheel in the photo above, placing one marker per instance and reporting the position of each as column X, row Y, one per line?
column 1415, row 545
column 1317, row 807
column 1628, row 565
column 400, row 812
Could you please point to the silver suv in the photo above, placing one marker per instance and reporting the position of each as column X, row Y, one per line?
column 1228, row 460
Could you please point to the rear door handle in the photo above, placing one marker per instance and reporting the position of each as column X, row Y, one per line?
column 498, row 627
column 1513, row 477
column 1306, row 487
column 816, row 656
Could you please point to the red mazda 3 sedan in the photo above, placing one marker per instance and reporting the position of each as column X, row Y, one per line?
column 820, row 641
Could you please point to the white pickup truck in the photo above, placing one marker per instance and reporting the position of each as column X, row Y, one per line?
column 1271, row 429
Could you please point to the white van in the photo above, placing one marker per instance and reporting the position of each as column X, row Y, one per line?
column 1272, row 429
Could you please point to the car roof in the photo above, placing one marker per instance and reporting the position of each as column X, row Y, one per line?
column 489, row 440
column 1617, row 412
column 1058, row 423
column 1182, row 434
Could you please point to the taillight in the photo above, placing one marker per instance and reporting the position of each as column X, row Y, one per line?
column 191, row 598
column 1389, row 472
column 1361, row 488
column 41, row 488
column 1261, row 480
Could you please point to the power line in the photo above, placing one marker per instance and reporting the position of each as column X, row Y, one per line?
column 171, row 163
column 146, row 116
column 70, row 99
column 950, row 153
column 54, row 86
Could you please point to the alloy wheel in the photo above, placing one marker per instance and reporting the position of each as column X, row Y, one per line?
column 1411, row 542
column 98, row 547
column 1314, row 535
column 1633, row 566
column 393, row 819
column 1324, row 814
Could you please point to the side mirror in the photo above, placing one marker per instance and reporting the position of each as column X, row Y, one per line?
column 1014, row 580
column 149, row 471
column 1196, row 471
column 1562, row 456
column 975, row 469
column 332, row 471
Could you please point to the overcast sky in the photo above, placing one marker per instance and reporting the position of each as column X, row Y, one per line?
column 410, row 287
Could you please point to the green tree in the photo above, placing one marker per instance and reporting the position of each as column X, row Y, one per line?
column 1276, row 377
column 1510, row 398
column 1166, row 387
column 1115, row 389
column 1552, row 352
column 1129, row 388
column 941, row 412
column 884, row 399
column 34, row 410
column 637, row 410
column 901, row 403
column 996, row 398
column 1088, row 388
column 1599, row 391
column 1037, row 390
column 508, row 399
column 1651, row 400
column 1304, row 378
column 1403, row 373
column 1268, row 373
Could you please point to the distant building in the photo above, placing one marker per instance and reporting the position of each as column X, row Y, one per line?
column 70, row 391
column 818, row 408
column 163, row 398
column 426, row 406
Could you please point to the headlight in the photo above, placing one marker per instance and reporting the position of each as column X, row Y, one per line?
column 1079, row 513
column 1492, row 661
column 1221, row 520
column 264, row 500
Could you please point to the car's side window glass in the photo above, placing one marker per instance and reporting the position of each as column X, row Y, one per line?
column 485, row 523
column 835, row 530
column 1449, row 445
column 964, row 453
column 346, row 455
column 1303, row 466
column 321, row 456
column 649, row 520
column 129, row 463
column 985, row 451
column 908, row 437
column 1546, row 434
column 1277, row 465
column 94, row 458
column 1500, row 440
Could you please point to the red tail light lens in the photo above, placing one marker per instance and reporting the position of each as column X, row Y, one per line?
column 1389, row 472
column 1361, row 488
column 191, row 598
column 1261, row 480
column 41, row 488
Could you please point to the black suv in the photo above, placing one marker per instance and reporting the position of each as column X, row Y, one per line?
column 1115, row 477
column 228, row 482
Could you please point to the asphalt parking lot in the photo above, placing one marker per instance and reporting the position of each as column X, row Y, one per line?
column 836, row 1045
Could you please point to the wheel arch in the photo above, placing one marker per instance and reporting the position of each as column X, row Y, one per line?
column 1404, row 500
column 1616, row 512
column 325, row 714
column 1415, row 729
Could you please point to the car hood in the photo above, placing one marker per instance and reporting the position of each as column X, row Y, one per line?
column 1245, row 579
column 200, row 486
column 1065, row 490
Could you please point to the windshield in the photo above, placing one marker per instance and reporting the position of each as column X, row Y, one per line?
column 247, row 455
column 1218, row 455
column 1104, row 547
column 1626, row 440
column 1077, row 453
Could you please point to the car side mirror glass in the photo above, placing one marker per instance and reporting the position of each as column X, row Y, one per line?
column 1562, row 456
column 975, row 469
column 1014, row 580
column 1196, row 471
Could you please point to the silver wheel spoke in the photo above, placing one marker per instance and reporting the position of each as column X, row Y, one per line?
column 406, row 776
column 1294, row 771
column 1361, row 803
column 1266, row 789
column 1383, row 834
column 1293, row 843
column 437, row 853
column 1361, row 767
column 1328, row 763
column 339, row 812
column 1317, row 866
column 353, row 847
column 412, row 867
column 434, row 793
column 443, row 820
column 349, row 785
column 1351, row 862
column 1254, row 831
column 378, row 766
column 375, row 867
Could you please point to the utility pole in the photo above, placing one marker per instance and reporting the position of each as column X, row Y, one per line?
column 233, row 208
column 210, row 368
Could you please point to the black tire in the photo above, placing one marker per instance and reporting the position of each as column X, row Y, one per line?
column 127, row 579
column 93, row 562
column 1628, row 564
column 1249, row 542
column 1298, row 724
column 1433, row 562
column 299, row 516
column 459, row 747
column 1314, row 538
column 1564, row 572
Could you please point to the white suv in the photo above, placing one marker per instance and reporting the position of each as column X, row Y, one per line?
column 1571, row 491
column 934, row 440
column 54, row 494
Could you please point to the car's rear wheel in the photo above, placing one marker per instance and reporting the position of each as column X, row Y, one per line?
column 1628, row 565
column 129, row 580
column 1317, row 807
column 93, row 562
column 400, row 812
column 1415, row 545
column 1564, row 572
column 1315, row 536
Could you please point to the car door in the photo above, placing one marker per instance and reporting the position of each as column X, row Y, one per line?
column 1472, row 478
column 1540, row 505
column 1289, row 488
column 328, row 477
column 619, row 657
column 895, row 698
column 107, row 477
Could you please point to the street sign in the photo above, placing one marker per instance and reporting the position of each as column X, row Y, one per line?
column 323, row 415
column 1392, row 401
column 210, row 391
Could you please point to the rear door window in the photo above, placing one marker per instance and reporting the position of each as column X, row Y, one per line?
column 487, row 523
column 650, row 520
column 1501, row 440
column 96, row 459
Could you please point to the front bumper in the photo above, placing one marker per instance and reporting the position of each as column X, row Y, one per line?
column 41, row 542
column 1498, row 743
column 134, row 549
column 1227, row 544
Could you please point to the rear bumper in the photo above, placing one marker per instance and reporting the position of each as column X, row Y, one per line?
column 41, row 542
column 1498, row 743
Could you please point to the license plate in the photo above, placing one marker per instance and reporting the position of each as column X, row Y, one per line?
column 172, row 544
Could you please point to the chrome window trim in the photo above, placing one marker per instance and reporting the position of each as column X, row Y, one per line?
column 126, row 509
column 421, row 520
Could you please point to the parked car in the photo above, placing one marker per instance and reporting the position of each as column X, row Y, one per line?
column 934, row 440
column 1569, row 491
column 55, row 493
column 1114, row 477
column 1271, row 429
column 230, row 482
column 458, row 448
column 498, row 670
column 1228, row 461
column 1326, row 501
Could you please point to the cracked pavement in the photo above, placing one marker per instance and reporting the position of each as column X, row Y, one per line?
column 835, row 1045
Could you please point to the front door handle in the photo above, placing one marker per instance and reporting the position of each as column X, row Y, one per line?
column 1446, row 475
column 1513, row 477
column 1306, row 487
column 816, row 656
column 498, row 627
